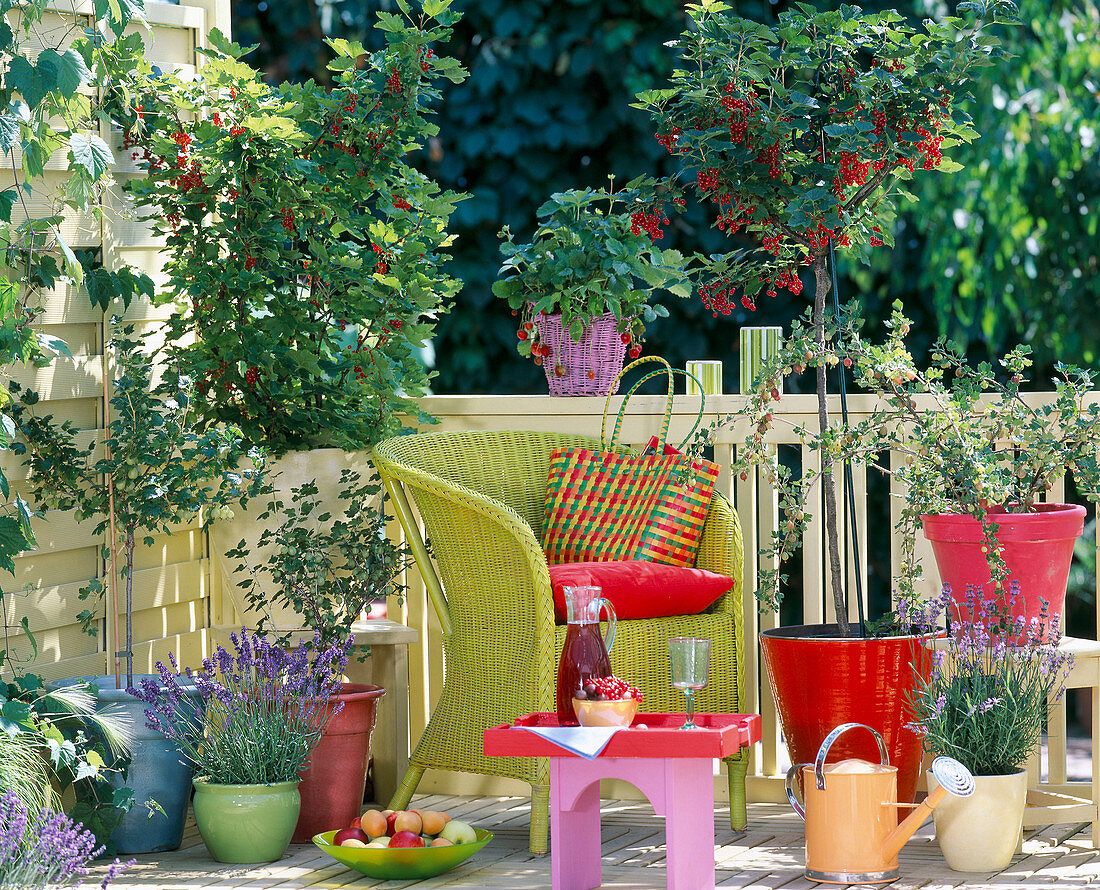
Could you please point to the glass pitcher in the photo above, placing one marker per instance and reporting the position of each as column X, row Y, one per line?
column 585, row 653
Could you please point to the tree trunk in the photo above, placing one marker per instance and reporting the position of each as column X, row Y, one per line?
column 832, row 528
column 129, row 608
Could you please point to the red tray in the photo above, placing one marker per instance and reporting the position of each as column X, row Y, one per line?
column 719, row 735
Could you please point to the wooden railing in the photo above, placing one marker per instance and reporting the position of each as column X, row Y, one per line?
column 808, row 598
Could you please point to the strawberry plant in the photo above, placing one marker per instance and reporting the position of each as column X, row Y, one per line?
column 595, row 252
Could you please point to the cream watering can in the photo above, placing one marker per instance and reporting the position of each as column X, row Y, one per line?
column 852, row 830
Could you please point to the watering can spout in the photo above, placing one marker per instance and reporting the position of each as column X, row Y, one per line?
column 952, row 777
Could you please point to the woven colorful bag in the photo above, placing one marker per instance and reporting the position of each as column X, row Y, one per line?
column 612, row 505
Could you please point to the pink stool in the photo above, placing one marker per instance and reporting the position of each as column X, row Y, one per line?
column 672, row 768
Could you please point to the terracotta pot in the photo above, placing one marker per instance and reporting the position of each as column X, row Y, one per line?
column 335, row 777
column 980, row 833
column 1037, row 548
column 323, row 465
column 820, row 680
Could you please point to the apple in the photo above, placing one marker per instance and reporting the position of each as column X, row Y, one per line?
column 391, row 818
column 406, row 839
column 357, row 822
column 433, row 821
column 354, row 842
column 373, row 823
column 379, row 843
column 346, row 834
column 408, row 821
column 441, row 842
column 458, row 832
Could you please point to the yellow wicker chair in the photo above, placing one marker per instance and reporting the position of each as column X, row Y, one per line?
column 480, row 496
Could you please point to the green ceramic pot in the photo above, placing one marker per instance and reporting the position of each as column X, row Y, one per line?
column 246, row 823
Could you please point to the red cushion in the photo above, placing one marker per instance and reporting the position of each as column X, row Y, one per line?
column 640, row 589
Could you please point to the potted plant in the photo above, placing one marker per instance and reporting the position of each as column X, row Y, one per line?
column 326, row 565
column 265, row 708
column 979, row 504
column 581, row 287
column 985, row 703
column 153, row 472
column 304, row 253
column 802, row 135
column 55, row 745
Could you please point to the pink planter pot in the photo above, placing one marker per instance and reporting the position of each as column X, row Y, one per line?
column 600, row 352
column 1037, row 548
column 332, row 785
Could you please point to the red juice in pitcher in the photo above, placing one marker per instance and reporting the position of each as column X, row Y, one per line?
column 585, row 652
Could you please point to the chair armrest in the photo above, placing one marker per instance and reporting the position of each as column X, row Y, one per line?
column 492, row 573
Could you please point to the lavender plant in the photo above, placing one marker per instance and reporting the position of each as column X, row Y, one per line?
column 986, row 699
column 263, row 708
column 44, row 848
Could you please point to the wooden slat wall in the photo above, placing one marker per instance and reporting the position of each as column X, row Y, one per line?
column 172, row 586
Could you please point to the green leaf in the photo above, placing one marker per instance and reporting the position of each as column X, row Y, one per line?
column 63, row 72
column 50, row 343
column 12, row 541
column 9, row 131
column 100, row 286
column 90, row 153
column 8, row 198
column 72, row 264
column 25, row 80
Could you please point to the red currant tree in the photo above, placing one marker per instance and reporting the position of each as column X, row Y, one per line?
column 801, row 136
column 304, row 251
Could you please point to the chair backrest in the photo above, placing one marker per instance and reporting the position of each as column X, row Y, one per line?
column 509, row 466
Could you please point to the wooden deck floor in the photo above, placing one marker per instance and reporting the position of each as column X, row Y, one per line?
column 768, row 855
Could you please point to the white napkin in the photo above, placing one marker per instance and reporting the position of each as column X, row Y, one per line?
column 584, row 741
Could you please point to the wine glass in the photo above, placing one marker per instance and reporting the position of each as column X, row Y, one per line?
column 689, row 659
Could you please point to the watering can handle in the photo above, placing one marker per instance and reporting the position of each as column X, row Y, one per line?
column 790, row 786
column 823, row 751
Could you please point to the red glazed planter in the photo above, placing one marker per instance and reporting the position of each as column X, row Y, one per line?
column 332, row 785
column 820, row 680
column 1037, row 548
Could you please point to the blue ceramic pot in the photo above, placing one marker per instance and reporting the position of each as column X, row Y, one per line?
column 157, row 772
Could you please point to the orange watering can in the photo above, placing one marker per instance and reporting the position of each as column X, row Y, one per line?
column 852, row 830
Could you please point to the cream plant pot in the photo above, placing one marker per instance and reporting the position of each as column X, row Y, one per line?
column 287, row 472
column 980, row 833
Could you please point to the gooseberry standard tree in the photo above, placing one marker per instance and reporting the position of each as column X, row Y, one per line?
column 801, row 136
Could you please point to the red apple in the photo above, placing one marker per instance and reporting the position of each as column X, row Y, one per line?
column 348, row 834
column 357, row 822
column 406, row 839
column 391, row 817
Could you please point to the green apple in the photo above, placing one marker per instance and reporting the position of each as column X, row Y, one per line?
column 458, row 832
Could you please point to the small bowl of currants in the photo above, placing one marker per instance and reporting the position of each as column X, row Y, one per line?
column 606, row 701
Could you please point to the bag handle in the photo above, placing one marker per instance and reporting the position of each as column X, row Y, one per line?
column 669, row 372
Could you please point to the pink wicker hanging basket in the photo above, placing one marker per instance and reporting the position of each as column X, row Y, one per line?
column 587, row 368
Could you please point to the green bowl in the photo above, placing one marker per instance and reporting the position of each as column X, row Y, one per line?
column 404, row 863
